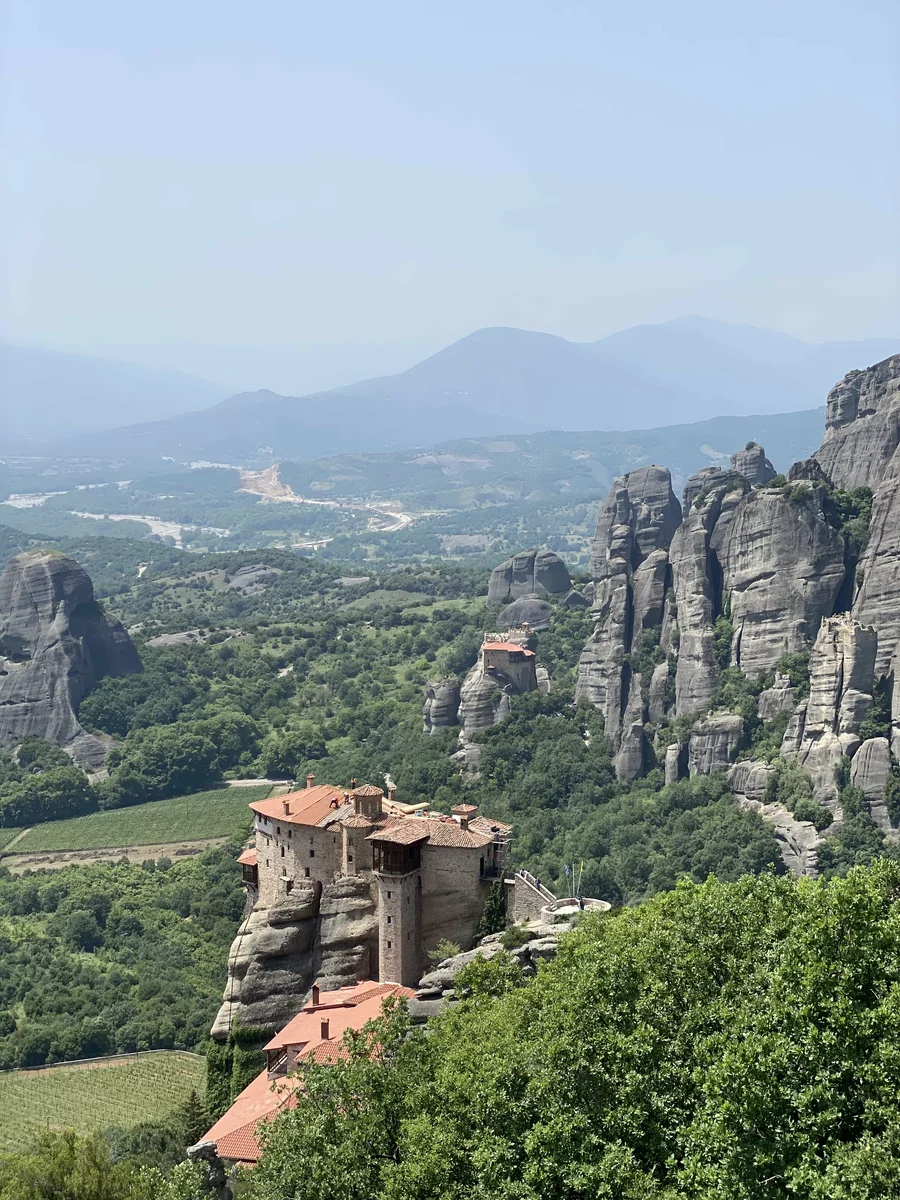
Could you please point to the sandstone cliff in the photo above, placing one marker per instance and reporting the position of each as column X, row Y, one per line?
column 329, row 935
column 55, row 643
column 630, row 566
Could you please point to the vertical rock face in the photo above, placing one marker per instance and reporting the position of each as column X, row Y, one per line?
column 55, row 644
column 533, row 572
column 779, row 698
column 328, row 935
column 441, row 704
column 714, row 743
column 783, row 566
column 630, row 565
column 842, row 669
column 753, row 465
column 697, row 581
column 876, row 601
column 869, row 771
column 862, row 426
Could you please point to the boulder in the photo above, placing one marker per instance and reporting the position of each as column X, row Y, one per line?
column 862, row 426
column 441, row 704
column 532, row 572
column 778, row 698
column 751, row 462
column 750, row 778
column 798, row 841
column 713, row 743
column 56, row 642
column 810, row 470
column 527, row 610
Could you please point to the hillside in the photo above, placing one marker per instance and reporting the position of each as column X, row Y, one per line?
column 464, row 496
column 72, row 394
column 511, row 380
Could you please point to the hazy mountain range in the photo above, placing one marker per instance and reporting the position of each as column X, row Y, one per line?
column 492, row 381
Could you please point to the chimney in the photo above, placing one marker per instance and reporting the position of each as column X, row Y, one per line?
column 287, row 807
column 315, row 994
column 325, row 1031
column 310, row 780
column 392, row 792
column 464, row 822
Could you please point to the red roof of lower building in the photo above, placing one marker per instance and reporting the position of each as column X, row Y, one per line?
column 249, row 857
column 236, row 1133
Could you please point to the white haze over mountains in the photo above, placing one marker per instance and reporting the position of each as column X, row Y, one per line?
column 491, row 381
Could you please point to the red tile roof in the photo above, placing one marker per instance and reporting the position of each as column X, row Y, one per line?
column 306, row 807
column 404, row 833
column 249, row 857
column 236, row 1133
column 448, row 833
column 507, row 646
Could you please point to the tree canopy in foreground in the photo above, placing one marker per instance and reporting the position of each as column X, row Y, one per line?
column 722, row 1040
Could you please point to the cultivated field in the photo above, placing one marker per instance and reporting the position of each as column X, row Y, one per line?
column 217, row 813
column 7, row 836
column 117, row 1092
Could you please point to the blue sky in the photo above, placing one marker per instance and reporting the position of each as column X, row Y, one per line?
column 281, row 194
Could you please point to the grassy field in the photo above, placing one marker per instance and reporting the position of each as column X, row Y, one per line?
column 7, row 835
column 217, row 813
column 124, row 1093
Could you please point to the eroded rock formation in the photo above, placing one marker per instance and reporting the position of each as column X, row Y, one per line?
column 441, row 704
column 630, row 565
column 751, row 462
column 713, row 744
column 533, row 572
column 56, row 642
column 862, row 426
column 328, row 935
column 826, row 726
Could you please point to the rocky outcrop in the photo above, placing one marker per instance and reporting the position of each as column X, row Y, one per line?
column 254, row 580
column 862, row 426
column 826, row 726
column 675, row 761
column 56, row 642
column 713, row 744
column 575, row 599
column 707, row 479
column 751, row 462
column 441, row 704
column 697, row 584
column 533, row 572
column 870, row 771
column 779, row 698
column 281, row 949
column 783, row 566
column 798, row 841
column 630, row 563
column 527, row 610
column 879, row 567
column 438, row 988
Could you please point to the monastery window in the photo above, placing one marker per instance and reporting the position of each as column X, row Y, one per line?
column 284, row 870
column 389, row 945
column 267, row 862
column 282, row 851
column 390, row 920
column 312, row 854
column 349, row 858
column 305, row 871
column 389, row 895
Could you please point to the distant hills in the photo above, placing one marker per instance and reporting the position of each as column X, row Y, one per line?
column 512, row 381
column 43, row 393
